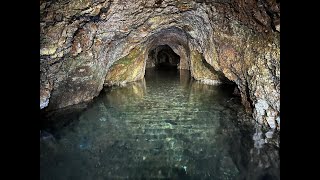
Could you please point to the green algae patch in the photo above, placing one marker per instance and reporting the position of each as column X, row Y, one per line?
column 130, row 58
column 200, row 69
column 126, row 69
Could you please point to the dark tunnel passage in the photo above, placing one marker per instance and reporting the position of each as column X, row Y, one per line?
column 163, row 58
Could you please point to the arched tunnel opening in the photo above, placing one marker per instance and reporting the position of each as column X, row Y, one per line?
column 163, row 57
column 166, row 58
column 164, row 62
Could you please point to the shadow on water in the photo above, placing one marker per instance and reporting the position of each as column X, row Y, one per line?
column 166, row 126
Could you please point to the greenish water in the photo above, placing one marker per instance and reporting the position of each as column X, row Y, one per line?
column 166, row 126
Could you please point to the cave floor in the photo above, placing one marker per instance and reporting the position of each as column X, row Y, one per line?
column 166, row 126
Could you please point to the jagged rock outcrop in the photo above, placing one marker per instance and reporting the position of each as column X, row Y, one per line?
column 91, row 43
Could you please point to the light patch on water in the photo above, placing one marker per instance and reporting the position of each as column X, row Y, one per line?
column 210, row 81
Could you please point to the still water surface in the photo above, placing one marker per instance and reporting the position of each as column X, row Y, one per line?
column 166, row 126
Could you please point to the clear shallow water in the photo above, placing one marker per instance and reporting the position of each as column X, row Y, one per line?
column 166, row 126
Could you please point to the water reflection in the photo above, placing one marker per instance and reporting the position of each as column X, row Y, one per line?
column 165, row 126
column 129, row 93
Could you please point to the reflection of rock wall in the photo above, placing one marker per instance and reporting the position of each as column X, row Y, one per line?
column 59, row 118
column 130, row 92
column 205, row 93
column 184, row 76
column 82, row 41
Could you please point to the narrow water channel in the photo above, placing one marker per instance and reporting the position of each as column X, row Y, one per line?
column 166, row 126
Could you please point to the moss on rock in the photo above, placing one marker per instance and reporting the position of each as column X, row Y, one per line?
column 200, row 69
column 127, row 69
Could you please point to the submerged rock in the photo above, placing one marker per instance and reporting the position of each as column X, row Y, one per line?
column 170, row 122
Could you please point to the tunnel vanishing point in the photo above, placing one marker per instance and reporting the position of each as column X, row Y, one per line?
column 86, row 45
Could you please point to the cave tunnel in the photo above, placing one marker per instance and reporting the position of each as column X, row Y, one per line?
column 166, row 58
column 137, row 90
column 170, row 57
column 163, row 57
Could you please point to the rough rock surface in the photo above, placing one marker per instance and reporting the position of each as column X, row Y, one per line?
column 83, row 44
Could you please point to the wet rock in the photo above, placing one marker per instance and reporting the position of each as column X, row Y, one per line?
column 269, row 134
column 278, row 27
column 127, row 69
column 170, row 122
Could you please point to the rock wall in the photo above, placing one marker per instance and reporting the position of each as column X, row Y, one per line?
column 127, row 69
column 90, row 43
